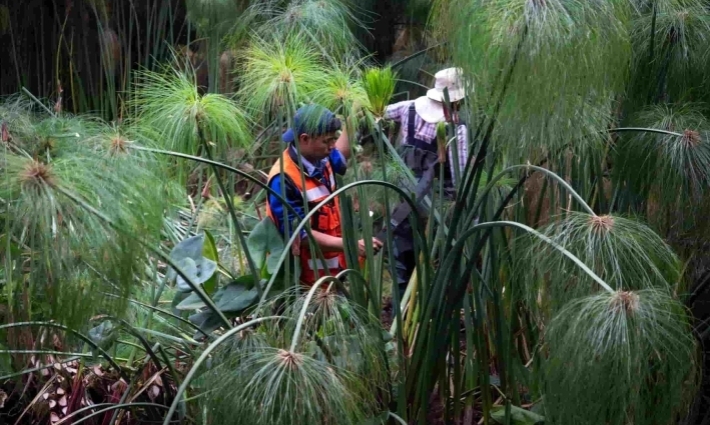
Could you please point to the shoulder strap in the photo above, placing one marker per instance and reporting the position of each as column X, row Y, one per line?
column 410, row 124
column 329, row 175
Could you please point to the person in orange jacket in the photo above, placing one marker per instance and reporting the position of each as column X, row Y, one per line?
column 322, row 155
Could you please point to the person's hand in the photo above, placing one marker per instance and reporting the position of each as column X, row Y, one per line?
column 361, row 246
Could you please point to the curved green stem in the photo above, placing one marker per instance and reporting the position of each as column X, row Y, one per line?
column 232, row 213
column 306, row 219
column 304, row 310
column 414, row 83
column 414, row 55
column 644, row 130
column 462, row 240
column 46, row 352
column 545, row 171
column 161, row 311
column 205, row 354
column 222, row 166
column 38, row 102
column 148, row 349
column 108, row 409
column 85, row 409
column 359, row 276
column 44, row 366
column 397, row 418
column 81, row 336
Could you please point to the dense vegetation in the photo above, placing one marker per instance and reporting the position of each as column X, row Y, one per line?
column 142, row 283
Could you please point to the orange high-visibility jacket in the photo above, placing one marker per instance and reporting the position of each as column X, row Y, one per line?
column 326, row 220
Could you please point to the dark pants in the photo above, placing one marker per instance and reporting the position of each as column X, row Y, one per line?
column 404, row 256
column 423, row 162
column 404, row 252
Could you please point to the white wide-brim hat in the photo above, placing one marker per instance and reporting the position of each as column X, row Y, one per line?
column 430, row 110
column 450, row 79
column 430, row 107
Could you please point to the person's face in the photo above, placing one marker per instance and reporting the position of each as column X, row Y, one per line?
column 317, row 147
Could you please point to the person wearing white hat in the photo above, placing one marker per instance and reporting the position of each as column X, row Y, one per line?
column 418, row 121
column 428, row 111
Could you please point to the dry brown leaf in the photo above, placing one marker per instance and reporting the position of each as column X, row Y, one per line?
column 57, row 366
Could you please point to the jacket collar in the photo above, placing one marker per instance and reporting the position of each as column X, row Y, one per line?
column 312, row 170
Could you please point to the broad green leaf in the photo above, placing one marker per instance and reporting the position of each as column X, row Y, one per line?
column 265, row 245
column 189, row 267
column 237, row 297
column 188, row 248
column 185, row 254
column 198, row 271
column 193, row 302
column 518, row 416
column 205, row 270
column 272, row 262
column 209, row 251
column 208, row 321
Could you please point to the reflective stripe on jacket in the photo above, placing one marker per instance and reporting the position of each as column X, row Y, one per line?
column 326, row 220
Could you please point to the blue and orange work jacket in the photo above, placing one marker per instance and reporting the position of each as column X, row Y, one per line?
column 320, row 183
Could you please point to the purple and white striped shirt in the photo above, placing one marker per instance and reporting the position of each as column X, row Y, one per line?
column 399, row 112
